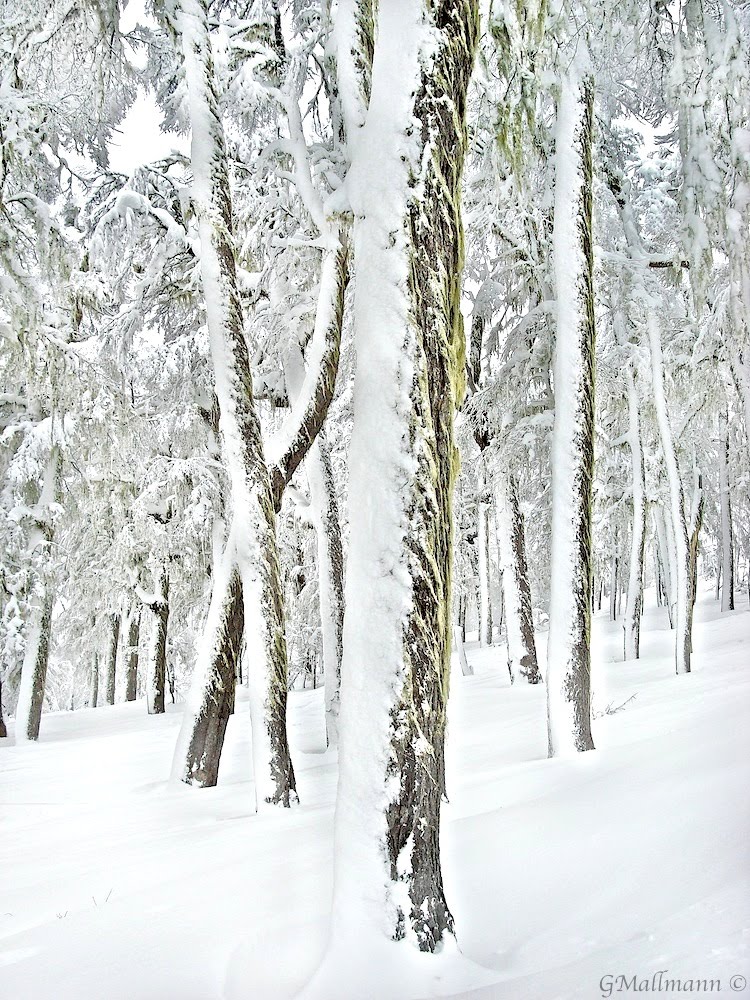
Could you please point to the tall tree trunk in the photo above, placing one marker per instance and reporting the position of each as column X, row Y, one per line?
column 254, row 527
column 131, row 655
column 681, row 578
column 727, row 540
column 114, row 639
column 696, row 523
column 156, row 677
column 3, row 728
column 519, row 622
column 569, row 650
column 36, row 654
column 404, row 189
column 634, row 600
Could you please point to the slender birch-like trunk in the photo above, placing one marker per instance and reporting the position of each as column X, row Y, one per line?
column 111, row 668
column 569, row 649
column 727, row 540
column 681, row 577
column 36, row 654
column 404, row 188
column 519, row 622
column 634, row 599
column 254, row 525
column 131, row 654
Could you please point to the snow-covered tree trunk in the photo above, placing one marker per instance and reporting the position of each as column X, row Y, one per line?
column 111, row 667
column 694, row 530
column 131, row 654
column 665, row 560
column 569, row 649
column 156, row 676
column 36, row 654
column 94, row 682
column 404, row 190
column 519, row 622
column 727, row 541
column 680, row 590
column 613, row 581
column 483, row 552
column 3, row 727
column 325, row 516
column 331, row 569
column 634, row 600
column 254, row 523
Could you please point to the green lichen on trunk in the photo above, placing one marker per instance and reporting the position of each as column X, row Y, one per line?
column 436, row 260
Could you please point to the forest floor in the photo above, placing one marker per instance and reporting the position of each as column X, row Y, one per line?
column 624, row 862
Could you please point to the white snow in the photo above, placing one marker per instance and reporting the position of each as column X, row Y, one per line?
column 627, row 860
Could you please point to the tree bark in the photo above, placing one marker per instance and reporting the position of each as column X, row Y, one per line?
column 114, row 639
column 681, row 577
column 569, row 650
column 634, row 600
column 254, row 525
column 519, row 622
column 94, row 682
column 404, row 188
column 157, row 653
column 36, row 655
column 727, row 540
column 131, row 661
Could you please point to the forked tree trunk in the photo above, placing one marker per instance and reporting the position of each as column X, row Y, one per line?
column 131, row 654
column 36, row 655
column 404, row 189
column 681, row 577
column 114, row 639
column 634, row 600
column 253, row 534
column 519, row 622
column 569, row 649
column 727, row 540
column 156, row 677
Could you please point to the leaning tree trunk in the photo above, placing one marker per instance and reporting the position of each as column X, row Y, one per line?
column 131, row 656
column 519, row 622
column 36, row 655
column 111, row 675
column 727, row 540
column 634, row 600
column 569, row 649
column 404, row 190
column 681, row 578
column 254, row 524
column 156, row 676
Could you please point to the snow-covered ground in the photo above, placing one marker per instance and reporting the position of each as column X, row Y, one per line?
column 626, row 861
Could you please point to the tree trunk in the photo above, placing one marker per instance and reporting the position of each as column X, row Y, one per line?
column 634, row 599
column 131, row 660
column 681, row 579
column 613, row 583
column 94, row 682
column 569, row 655
column 157, row 652
column 114, row 638
column 404, row 190
column 519, row 622
column 483, row 551
column 254, row 528
column 3, row 728
column 36, row 655
column 727, row 540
